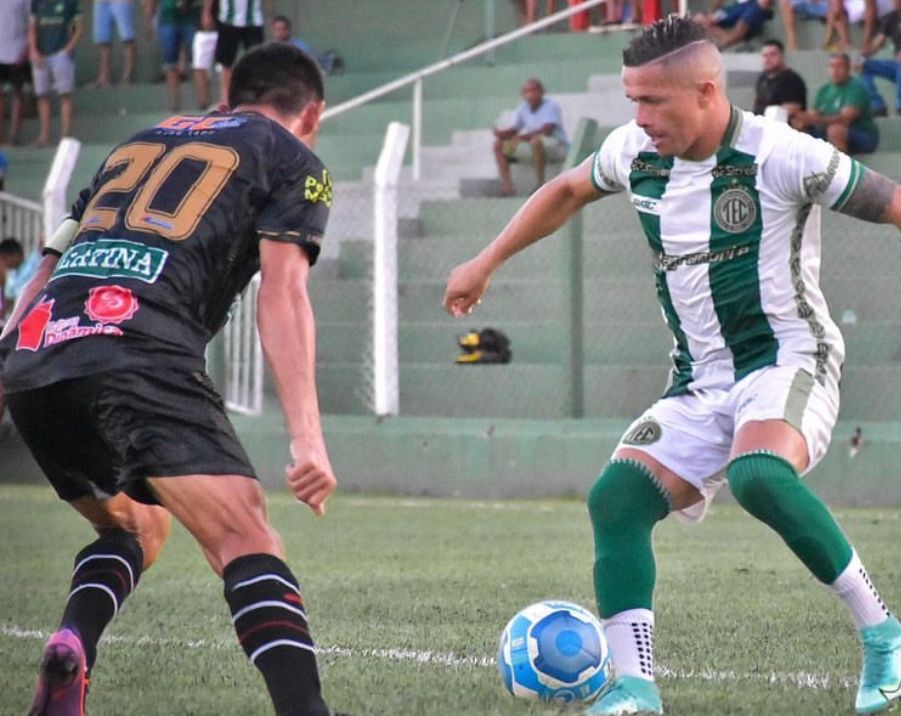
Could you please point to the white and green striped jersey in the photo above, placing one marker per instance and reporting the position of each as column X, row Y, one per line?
column 241, row 13
column 737, row 261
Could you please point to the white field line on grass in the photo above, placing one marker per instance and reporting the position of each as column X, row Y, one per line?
column 798, row 679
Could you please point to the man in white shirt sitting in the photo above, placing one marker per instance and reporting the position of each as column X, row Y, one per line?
column 536, row 134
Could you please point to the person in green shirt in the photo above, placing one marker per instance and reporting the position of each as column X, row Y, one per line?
column 54, row 29
column 841, row 112
column 178, row 23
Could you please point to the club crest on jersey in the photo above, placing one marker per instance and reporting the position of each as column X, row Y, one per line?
column 645, row 433
column 315, row 190
column 111, row 304
column 735, row 210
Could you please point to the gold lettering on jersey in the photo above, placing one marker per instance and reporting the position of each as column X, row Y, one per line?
column 108, row 258
column 316, row 190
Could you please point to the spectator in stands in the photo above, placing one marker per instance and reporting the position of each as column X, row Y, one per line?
column 890, row 69
column 329, row 61
column 527, row 11
column 54, row 29
column 19, row 271
column 203, row 60
column 778, row 84
column 805, row 10
column 841, row 112
column 536, row 134
column 14, row 69
column 121, row 14
column 737, row 23
column 870, row 12
column 11, row 257
column 241, row 22
column 177, row 25
column 3, row 164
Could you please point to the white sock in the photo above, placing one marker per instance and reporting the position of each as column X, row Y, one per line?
column 858, row 594
column 630, row 635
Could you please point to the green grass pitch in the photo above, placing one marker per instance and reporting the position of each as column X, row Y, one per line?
column 408, row 596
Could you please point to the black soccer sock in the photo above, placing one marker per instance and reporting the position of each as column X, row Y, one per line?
column 106, row 572
column 269, row 617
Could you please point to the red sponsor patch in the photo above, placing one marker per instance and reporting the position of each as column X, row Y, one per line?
column 32, row 327
column 111, row 304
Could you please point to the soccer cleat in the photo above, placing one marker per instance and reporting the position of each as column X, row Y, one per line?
column 63, row 681
column 627, row 695
column 880, row 678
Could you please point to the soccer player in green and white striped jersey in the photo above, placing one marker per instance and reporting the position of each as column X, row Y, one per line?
column 729, row 204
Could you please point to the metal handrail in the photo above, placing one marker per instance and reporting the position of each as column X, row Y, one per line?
column 416, row 78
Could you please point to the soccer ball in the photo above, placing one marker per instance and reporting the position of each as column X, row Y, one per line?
column 554, row 651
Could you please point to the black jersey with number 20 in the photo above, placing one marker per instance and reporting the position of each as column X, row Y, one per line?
column 168, row 237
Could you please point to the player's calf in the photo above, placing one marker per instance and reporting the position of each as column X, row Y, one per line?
column 271, row 623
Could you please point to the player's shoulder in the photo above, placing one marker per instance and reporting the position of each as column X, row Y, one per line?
column 767, row 139
column 627, row 140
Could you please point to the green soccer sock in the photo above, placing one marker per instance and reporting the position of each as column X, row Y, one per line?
column 625, row 503
column 769, row 488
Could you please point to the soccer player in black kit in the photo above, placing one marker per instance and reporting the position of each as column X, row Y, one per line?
column 105, row 369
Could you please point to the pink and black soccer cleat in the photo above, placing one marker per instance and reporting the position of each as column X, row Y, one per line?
column 63, row 681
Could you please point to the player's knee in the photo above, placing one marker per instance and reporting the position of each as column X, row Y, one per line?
column 624, row 495
column 152, row 532
column 752, row 482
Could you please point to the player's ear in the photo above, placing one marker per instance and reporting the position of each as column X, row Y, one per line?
column 308, row 123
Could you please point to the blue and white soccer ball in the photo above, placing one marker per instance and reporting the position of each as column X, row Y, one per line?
column 554, row 651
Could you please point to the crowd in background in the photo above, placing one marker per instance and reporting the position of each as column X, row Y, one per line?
column 39, row 38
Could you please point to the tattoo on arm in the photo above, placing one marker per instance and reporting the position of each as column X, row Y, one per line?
column 870, row 198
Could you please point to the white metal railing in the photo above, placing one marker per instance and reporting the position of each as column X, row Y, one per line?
column 244, row 355
column 23, row 220
column 416, row 78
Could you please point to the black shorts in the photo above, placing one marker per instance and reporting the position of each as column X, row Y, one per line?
column 102, row 434
column 16, row 75
column 230, row 37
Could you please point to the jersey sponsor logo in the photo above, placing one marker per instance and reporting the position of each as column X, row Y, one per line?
column 316, row 190
column 111, row 304
column 112, row 258
column 37, row 330
column 731, row 170
column 646, row 204
column 32, row 327
column 735, row 210
column 670, row 263
column 67, row 329
column 194, row 125
column 645, row 433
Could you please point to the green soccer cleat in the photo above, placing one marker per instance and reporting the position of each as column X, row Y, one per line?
column 627, row 695
column 880, row 678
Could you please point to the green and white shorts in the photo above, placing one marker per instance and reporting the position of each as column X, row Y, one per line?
column 692, row 434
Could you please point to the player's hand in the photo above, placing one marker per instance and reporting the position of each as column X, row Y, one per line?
column 465, row 286
column 310, row 476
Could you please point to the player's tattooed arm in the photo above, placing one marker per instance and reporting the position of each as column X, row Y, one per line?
column 876, row 198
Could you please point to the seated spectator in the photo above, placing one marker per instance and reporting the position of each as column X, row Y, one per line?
column 870, row 12
column 841, row 112
column 11, row 257
column 738, row 23
column 805, row 10
column 329, row 61
column 779, row 84
column 121, row 14
column 536, row 135
column 178, row 23
column 890, row 69
column 18, row 276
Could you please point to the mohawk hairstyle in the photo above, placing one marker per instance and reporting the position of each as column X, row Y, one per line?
column 664, row 36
